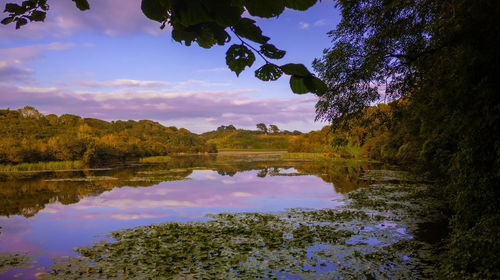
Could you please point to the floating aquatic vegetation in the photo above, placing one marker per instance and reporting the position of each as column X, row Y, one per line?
column 369, row 237
column 156, row 159
column 394, row 176
column 83, row 179
column 165, row 171
column 305, row 243
column 289, row 174
column 12, row 260
column 157, row 179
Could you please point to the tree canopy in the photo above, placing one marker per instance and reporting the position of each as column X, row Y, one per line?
column 262, row 127
column 29, row 136
column 442, row 59
column 209, row 23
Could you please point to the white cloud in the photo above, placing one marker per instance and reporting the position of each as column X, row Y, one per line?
column 109, row 17
column 304, row 25
column 201, row 83
column 320, row 22
column 13, row 71
column 116, row 83
column 27, row 53
column 217, row 69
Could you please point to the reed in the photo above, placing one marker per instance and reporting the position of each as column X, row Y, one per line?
column 39, row 166
column 303, row 156
column 156, row 159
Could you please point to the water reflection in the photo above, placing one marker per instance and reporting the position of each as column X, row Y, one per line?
column 56, row 211
column 28, row 195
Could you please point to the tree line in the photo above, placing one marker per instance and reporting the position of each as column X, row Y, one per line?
column 229, row 137
column 29, row 136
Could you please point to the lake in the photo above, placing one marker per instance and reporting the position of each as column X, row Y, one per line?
column 49, row 213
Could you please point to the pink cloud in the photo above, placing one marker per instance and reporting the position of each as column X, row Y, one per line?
column 199, row 194
column 214, row 107
column 14, row 61
column 26, row 53
column 109, row 17
column 14, row 234
column 114, row 83
column 13, row 71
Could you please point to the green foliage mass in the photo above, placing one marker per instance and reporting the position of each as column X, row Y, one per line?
column 228, row 137
column 210, row 23
column 366, row 133
column 28, row 136
column 442, row 58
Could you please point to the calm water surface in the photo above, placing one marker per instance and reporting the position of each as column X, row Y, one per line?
column 48, row 214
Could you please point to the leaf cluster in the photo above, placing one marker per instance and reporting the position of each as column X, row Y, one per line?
column 376, row 48
column 32, row 10
column 210, row 23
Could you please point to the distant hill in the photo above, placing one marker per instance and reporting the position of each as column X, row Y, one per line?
column 29, row 136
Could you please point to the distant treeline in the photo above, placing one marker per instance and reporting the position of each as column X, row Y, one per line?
column 368, row 133
column 381, row 132
column 29, row 136
column 229, row 137
column 376, row 132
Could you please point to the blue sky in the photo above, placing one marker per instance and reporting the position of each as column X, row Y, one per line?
column 112, row 63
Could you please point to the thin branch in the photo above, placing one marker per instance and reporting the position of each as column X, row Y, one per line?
column 250, row 46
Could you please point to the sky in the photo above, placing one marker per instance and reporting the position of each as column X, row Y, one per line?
column 112, row 63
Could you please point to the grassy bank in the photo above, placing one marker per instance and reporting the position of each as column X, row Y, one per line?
column 39, row 166
column 303, row 156
column 251, row 150
column 156, row 159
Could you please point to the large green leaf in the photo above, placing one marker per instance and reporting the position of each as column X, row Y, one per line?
column 37, row 16
column 191, row 13
column 7, row 20
column 223, row 13
column 300, row 4
column 181, row 33
column 271, row 51
column 82, row 4
column 20, row 22
column 155, row 9
column 295, row 70
column 13, row 8
column 268, row 72
column 29, row 4
column 265, row 8
column 298, row 85
column 206, row 38
column 246, row 28
column 238, row 57
column 317, row 86
column 219, row 33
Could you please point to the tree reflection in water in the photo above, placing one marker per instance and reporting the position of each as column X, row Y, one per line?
column 27, row 193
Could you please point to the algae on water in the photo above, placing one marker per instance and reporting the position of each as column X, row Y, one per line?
column 370, row 237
